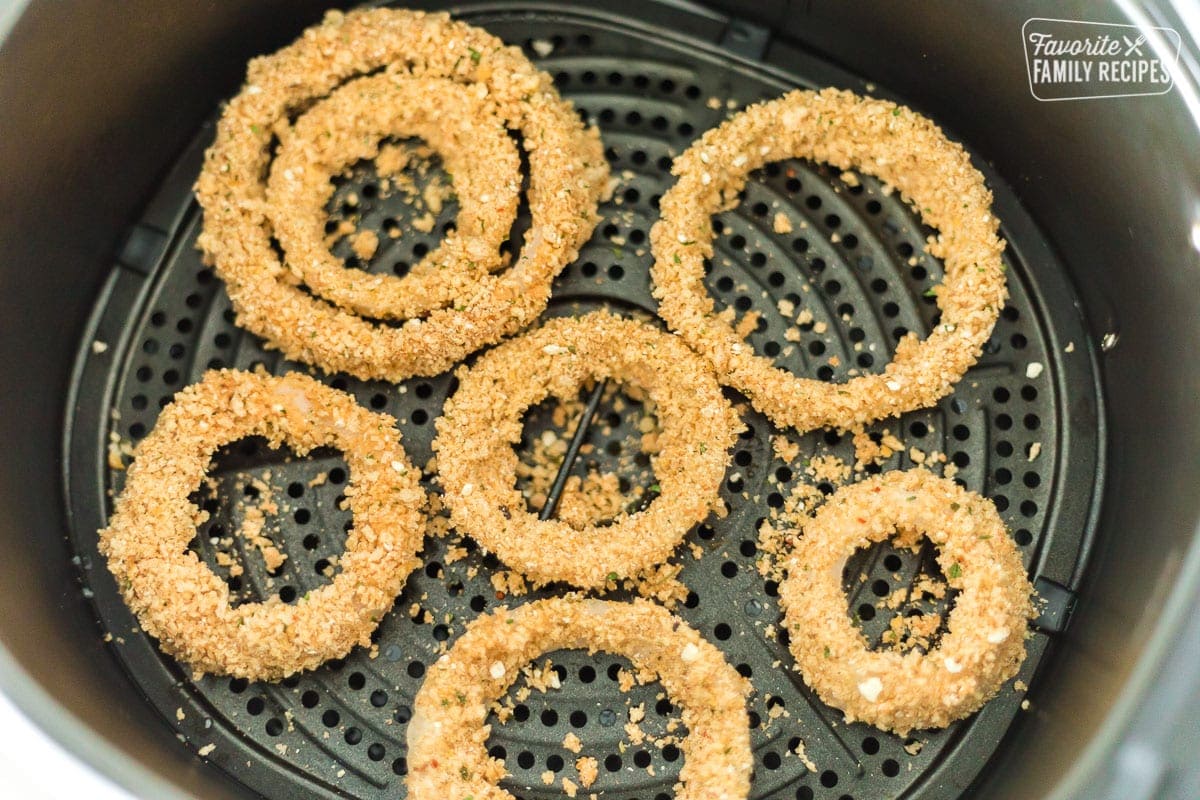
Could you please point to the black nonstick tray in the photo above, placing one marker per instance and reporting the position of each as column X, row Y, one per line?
column 1025, row 427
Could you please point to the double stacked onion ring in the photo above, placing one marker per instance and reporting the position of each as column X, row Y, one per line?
column 182, row 603
column 447, row 735
column 984, row 645
column 877, row 137
column 482, row 422
column 567, row 173
column 348, row 126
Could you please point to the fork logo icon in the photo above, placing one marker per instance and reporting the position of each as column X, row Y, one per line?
column 1133, row 47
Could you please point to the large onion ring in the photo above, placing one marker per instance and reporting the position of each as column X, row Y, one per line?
column 348, row 126
column 985, row 643
column 447, row 735
column 482, row 422
column 182, row 603
column 850, row 132
column 567, row 173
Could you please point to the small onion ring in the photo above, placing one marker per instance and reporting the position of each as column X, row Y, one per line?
column 482, row 422
column 447, row 735
column 984, row 645
column 850, row 132
column 182, row 603
column 567, row 173
column 348, row 126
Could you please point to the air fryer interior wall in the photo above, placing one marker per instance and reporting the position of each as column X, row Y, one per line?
column 97, row 101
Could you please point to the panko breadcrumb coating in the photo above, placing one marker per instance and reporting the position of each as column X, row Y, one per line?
column 877, row 137
column 182, row 603
column 350, row 125
column 447, row 735
column 482, row 421
column 984, row 645
column 567, row 174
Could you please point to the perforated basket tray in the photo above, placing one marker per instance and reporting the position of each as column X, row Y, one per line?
column 854, row 257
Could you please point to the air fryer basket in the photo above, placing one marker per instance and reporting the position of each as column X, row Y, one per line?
column 652, row 77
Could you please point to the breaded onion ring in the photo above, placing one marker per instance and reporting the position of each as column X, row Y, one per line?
column 850, row 132
column 567, row 173
column 447, row 735
column 985, row 642
column 182, row 603
column 482, row 422
column 348, row 126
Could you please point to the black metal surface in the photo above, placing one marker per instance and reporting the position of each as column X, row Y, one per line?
column 578, row 439
column 854, row 257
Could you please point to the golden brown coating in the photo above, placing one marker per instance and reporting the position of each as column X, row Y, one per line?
column 984, row 645
column 349, row 126
column 567, row 173
column 877, row 137
column 447, row 735
column 482, row 421
column 182, row 603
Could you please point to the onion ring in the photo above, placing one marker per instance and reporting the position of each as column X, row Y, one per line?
column 447, row 735
column 567, row 173
column 850, row 132
column 482, row 421
column 348, row 126
column 182, row 603
column 984, row 645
